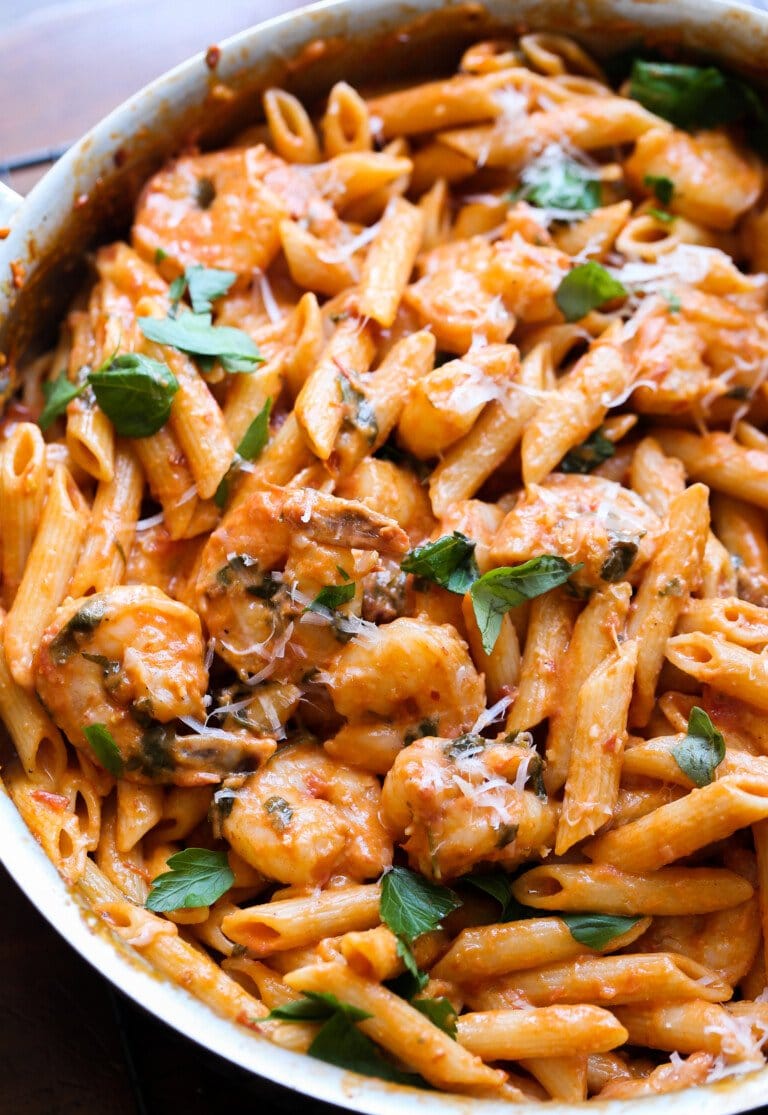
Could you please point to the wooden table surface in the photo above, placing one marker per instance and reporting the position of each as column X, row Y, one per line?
column 69, row 1043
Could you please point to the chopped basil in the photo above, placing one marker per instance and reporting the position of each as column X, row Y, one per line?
column 160, row 255
column 440, row 1012
column 597, row 930
column 618, row 562
column 427, row 727
column 280, row 813
column 403, row 459
column 449, row 562
column 156, row 742
column 360, row 412
column 316, row 1006
column 110, row 668
column 251, row 445
column 411, row 906
column 673, row 587
column 661, row 215
column 673, row 302
column 331, row 597
column 499, row 590
column 197, row 877
column 84, row 620
column 691, row 96
column 102, row 744
column 135, row 393
column 586, row 287
column 464, row 747
column 587, row 456
column 196, row 335
column 703, row 749
column 662, row 187
column 561, row 184
column 58, row 394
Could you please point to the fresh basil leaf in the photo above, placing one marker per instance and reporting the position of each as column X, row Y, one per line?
column 617, row 564
column 58, row 394
column 206, row 284
column 340, row 1043
column 662, row 187
column 561, row 184
column 703, row 749
column 135, row 393
column 316, row 1006
column 499, row 590
column 176, row 292
column 197, row 877
column 403, row 459
column 592, row 452
column 449, row 562
column 411, row 905
column 419, row 979
column 689, row 96
column 440, row 1013
column 497, row 884
column 280, row 813
column 251, row 445
column 102, row 744
column 586, row 287
column 331, row 597
column 661, row 215
column 196, row 335
column 596, row 930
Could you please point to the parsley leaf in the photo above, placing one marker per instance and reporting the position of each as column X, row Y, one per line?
column 331, row 597
column 440, row 1013
column 205, row 285
column 703, row 749
column 662, row 187
column 251, row 445
column 58, row 394
column 196, row 335
column 689, row 96
column 135, row 393
column 560, row 184
column 411, row 906
column 586, row 287
column 197, row 877
column 316, row 1006
column 596, row 930
column 102, row 744
column 449, row 562
column 499, row 590
column 592, row 452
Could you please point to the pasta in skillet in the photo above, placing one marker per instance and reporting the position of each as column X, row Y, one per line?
column 385, row 579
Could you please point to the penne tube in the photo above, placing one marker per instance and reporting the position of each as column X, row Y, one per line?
column 606, row 980
column 609, row 890
column 198, row 424
column 286, row 454
column 597, row 747
column 345, row 124
column 564, row 1078
column 438, row 104
column 737, row 621
column 353, row 175
column 696, row 1026
column 139, row 809
column 401, row 1029
column 56, row 826
column 295, row 922
column 549, row 630
column 248, row 394
column 488, row 951
column 672, row 575
column 374, row 953
column 103, row 559
column 290, row 127
column 656, row 477
column 682, row 827
column 46, row 575
column 502, row 666
column 729, row 668
column 90, row 437
column 595, row 635
column 320, row 406
column 718, row 460
column 741, row 529
column 389, row 261
column 561, row 1031
column 23, row 482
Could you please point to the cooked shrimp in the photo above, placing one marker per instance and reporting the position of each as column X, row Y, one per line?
column 715, row 181
column 409, row 671
column 392, row 491
column 255, row 612
column 457, row 803
column 221, row 210
column 478, row 521
column 583, row 519
column 305, row 817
